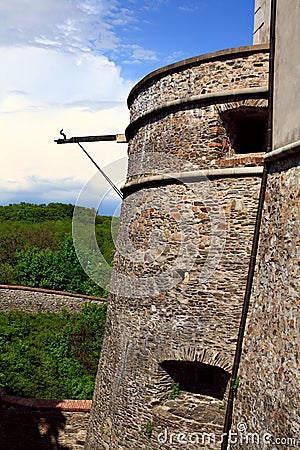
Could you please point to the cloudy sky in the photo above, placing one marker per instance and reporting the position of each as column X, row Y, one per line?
column 71, row 63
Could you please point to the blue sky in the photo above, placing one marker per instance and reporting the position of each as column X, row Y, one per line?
column 71, row 64
column 170, row 30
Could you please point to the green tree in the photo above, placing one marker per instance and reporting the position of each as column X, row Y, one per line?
column 48, row 355
column 36, row 247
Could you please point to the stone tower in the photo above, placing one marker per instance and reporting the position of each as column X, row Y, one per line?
column 262, row 15
column 196, row 137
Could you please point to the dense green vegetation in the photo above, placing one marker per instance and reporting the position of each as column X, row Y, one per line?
column 30, row 212
column 36, row 247
column 48, row 355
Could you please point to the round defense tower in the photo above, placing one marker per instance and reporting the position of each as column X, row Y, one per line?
column 196, row 141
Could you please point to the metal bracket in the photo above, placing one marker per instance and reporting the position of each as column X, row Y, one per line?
column 119, row 138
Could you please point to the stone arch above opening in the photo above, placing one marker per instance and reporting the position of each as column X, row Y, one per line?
column 198, row 378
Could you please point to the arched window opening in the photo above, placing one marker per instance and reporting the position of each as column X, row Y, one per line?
column 246, row 128
column 198, row 378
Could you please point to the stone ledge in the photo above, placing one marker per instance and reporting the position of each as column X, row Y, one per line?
column 213, row 97
column 283, row 152
column 190, row 177
column 191, row 411
column 250, row 158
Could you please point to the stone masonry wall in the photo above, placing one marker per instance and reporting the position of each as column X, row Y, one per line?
column 194, row 136
column 194, row 321
column 212, row 75
column 34, row 300
column 182, row 252
column 30, row 424
column 268, row 396
column 194, row 133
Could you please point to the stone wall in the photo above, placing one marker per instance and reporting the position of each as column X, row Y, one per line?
column 268, row 396
column 34, row 300
column 30, row 424
column 268, row 399
column 211, row 74
column 193, row 321
column 42, row 424
column 191, row 138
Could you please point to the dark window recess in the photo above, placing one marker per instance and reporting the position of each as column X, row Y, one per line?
column 246, row 128
column 197, row 377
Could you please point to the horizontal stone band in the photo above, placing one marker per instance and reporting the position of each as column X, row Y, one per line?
column 282, row 152
column 192, row 177
column 230, row 95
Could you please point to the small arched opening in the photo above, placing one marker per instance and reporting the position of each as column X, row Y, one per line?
column 198, row 378
column 246, row 128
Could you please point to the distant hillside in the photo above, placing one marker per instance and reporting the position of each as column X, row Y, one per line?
column 36, row 247
column 30, row 212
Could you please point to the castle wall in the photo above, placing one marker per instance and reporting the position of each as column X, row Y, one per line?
column 268, row 395
column 215, row 73
column 34, row 300
column 28, row 424
column 182, row 251
column 191, row 322
column 177, row 111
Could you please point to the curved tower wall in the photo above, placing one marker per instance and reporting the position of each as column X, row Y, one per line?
column 183, row 250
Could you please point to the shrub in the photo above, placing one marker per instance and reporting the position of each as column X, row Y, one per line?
column 51, row 355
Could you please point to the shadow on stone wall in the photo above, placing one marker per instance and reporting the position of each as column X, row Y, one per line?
column 25, row 429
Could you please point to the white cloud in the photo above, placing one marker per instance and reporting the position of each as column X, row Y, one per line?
column 45, row 77
column 139, row 54
column 55, row 74
column 34, row 167
column 67, row 25
column 175, row 56
column 152, row 4
column 188, row 8
column 43, row 91
column 71, row 26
